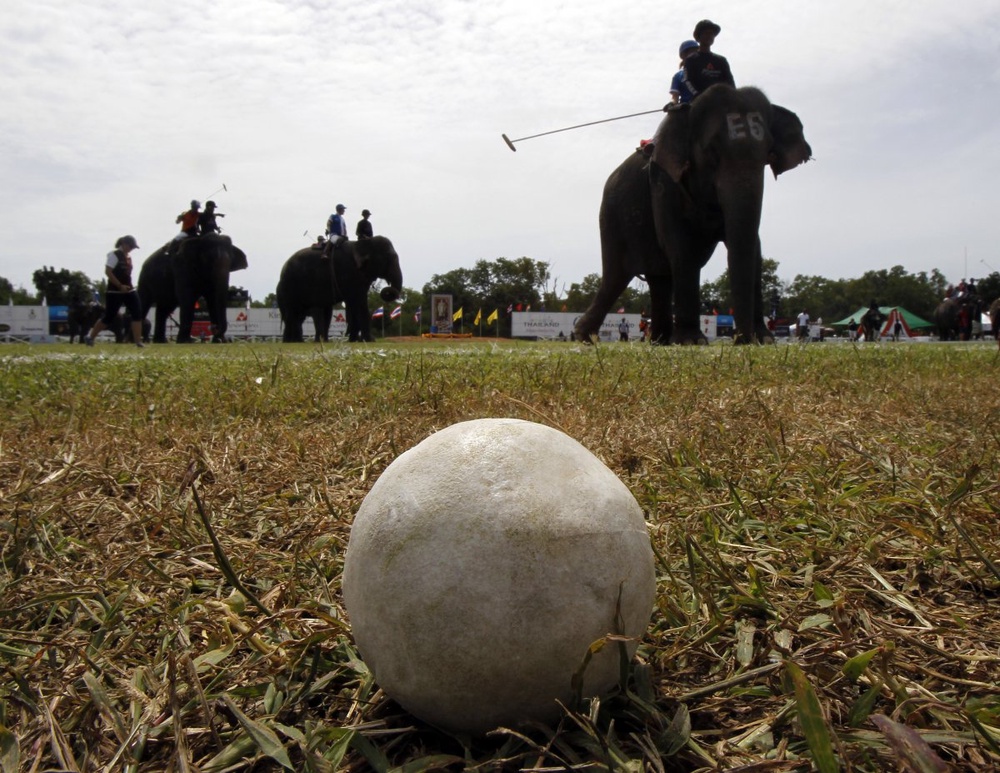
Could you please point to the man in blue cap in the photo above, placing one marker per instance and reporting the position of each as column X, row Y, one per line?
column 679, row 91
column 336, row 230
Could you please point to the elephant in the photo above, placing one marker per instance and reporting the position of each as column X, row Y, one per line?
column 311, row 284
column 179, row 273
column 662, row 218
column 995, row 318
column 871, row 323
column 81, row 316
column 953, row 317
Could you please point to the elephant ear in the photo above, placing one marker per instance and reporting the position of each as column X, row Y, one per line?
column 671, row 145
column 789, row 147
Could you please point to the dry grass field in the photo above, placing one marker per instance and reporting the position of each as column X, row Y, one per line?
column 825, row 521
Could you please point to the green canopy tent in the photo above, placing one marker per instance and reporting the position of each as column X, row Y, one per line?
column 911, row 319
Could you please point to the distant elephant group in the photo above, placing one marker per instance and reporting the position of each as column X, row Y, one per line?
column 662, row 217
column 179, row 273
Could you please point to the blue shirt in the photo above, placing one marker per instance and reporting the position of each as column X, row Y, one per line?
column 680, row 86
column 336, row 225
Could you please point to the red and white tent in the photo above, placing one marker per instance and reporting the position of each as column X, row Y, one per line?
column 890, row 325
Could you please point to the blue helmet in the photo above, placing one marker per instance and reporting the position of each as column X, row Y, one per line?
column 686, row 46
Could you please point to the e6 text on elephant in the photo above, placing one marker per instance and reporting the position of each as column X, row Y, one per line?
column 197, row 267
column 311, row 285
column 662, row 218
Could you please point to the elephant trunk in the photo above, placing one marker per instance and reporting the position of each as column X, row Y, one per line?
column 741, row 199
column 394, row 278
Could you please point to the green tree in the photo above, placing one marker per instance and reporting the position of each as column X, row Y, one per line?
column 410, row 301
column 989, row 287
column 270, row 302
column 581, row 294
column 18, row 296
column 61, row 287
column 493, row 285
column 717, row 295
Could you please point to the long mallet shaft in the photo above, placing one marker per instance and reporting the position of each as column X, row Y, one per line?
column 510, row 142
column 223, row 188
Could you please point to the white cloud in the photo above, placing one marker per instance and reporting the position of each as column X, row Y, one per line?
column 117, row 114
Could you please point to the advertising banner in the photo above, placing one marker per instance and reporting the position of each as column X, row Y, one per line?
column 559, row 325
column 24, row 323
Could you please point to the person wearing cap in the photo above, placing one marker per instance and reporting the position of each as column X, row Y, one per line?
column 364, row 229
column 120, row 291
column 679, row 91
column 206, row 220
column 189, row 226
column 703, row 69
column 336, row 230
column 189, row 221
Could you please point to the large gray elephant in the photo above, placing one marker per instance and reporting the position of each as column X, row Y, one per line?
column 178, row 274
column 953, row 317
column 995, row 318
column 663, row 217
column 312, row 284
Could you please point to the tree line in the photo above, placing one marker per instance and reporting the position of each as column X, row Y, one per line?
column 505, row 283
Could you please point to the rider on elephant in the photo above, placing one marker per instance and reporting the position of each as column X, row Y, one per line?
column 704, row 69
column 189, row 226
column 206, row 220
column 336, row 230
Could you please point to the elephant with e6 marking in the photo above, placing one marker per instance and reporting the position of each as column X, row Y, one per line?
column 662, row 218
column 311, row 284
column 197, row 267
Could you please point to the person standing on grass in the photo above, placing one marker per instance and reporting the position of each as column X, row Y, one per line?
column 120, row 292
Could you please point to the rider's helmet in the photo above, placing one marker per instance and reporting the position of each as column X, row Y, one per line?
column 195, row 204
column 127, row 242
column 686, row 46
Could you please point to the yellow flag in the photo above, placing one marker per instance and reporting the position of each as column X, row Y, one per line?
column 479, row 316
column 492, row 317
column 457, row 315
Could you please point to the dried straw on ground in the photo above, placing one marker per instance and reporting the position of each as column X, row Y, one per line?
column 172, row 531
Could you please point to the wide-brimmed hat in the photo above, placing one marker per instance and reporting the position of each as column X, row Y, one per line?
column 704, row 26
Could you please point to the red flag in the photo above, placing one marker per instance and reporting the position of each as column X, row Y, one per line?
column 621, row 310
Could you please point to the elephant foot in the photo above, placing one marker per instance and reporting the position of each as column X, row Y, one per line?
column 688, row 337
column 585, row 336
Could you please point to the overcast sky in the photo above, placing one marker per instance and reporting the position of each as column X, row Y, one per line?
column 115, row 114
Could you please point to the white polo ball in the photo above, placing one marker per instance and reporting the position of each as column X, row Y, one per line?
column 483, row 564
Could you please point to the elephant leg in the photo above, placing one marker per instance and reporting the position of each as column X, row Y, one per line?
column 614, row 279
column 691, row 256
column 160, row 325
column 761, row 332
column 186, row 321
column 661, row 313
